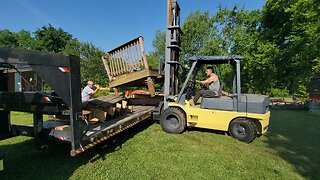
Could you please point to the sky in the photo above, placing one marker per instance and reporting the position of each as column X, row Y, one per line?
column 105, row 23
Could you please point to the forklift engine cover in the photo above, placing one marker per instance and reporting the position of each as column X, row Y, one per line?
column 250, row 103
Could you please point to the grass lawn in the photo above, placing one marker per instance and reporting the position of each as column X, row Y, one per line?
column 290, row 150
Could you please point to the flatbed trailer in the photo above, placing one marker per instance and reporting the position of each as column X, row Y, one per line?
column 99, row 132
column 62, row 74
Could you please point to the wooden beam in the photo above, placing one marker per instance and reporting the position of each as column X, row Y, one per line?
column 127, row 58
column 136, row 59
column 143, row 53
column 63, row 128
column 151, row 86
column 123, row 61
column 133, row 76
column 111, row 64
column 111, row 111
column 117, row 62
column 124, row 104
column 98, row 113
column 130, row 57
column 169, row 18
column 104, row 60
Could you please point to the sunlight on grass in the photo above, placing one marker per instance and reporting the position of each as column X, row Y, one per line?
column 145, row 152
column 21, row 118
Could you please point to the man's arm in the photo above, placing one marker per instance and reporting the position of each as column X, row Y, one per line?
column 209, row 80
column 95, row 91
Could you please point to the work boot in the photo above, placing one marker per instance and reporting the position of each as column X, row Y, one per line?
column 191, row 102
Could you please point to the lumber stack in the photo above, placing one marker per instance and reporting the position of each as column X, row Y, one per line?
column 101, row 109
column 106, row 107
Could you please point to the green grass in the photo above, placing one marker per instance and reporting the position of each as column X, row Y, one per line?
column 289, row 151
column 21, row 118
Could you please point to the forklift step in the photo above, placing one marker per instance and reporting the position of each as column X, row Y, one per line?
column 175, row 47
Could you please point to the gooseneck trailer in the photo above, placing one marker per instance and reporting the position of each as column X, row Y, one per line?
column 62, row 74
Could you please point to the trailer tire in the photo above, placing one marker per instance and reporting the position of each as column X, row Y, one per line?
column 173, row 120
column 243, row 129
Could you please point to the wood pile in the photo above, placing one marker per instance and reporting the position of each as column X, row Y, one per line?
column 103, row 108
column 106, row 107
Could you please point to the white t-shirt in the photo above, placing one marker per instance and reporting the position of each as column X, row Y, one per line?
column 86, row 93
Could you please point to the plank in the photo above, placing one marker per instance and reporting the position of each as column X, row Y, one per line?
column 63, row 128
column 99, row 114
column 104, row 60
column 111, row 64
column 143, row 53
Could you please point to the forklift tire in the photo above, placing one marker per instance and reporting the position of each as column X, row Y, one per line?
column 173, row 120
column 243, row 129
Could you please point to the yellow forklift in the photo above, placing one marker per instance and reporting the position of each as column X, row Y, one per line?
column 244, row 116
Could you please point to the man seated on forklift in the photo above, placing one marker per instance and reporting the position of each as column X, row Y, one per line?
column 214, row 86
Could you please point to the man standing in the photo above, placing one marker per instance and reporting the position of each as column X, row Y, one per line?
column 212, row 81
column 87, row 93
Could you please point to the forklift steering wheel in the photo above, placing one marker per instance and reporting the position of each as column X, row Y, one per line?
column 190, row 88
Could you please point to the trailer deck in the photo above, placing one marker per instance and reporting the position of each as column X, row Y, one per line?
column 101, row 131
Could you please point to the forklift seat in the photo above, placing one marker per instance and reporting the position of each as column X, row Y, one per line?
column 215, row 95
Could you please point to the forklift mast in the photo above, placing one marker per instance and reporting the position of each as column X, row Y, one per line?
column 173, row 35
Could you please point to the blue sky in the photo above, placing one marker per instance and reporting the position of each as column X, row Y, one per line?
column 105, row 23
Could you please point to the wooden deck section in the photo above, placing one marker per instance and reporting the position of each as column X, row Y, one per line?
column 127, row 66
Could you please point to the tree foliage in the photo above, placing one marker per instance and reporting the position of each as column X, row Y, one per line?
column 51, row 39
column 294, row 28
column 280, row 43
column 92, row 68
column 159, row 46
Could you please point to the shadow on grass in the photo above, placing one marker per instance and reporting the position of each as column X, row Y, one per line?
column 207, row 130
column 295, row 136
column 24, row 161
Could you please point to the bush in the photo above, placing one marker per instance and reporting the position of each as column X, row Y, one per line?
column 101, row 93
column 283, row 93
column 301, row 92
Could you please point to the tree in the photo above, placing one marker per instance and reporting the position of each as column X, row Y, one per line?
column 92, row 68
column 51, row 39
column 293, row 27
column 159, row 49
column 198, row 30
column 24, row 40
column 8, row 39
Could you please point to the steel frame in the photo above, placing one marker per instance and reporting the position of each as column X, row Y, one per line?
column 173, row 34
column 61, row 72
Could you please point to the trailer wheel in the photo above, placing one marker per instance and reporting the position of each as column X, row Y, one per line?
column 173, row 120
column 243, row 129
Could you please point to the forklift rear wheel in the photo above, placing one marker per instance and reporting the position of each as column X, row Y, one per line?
column 173, row 121
column 243, row 130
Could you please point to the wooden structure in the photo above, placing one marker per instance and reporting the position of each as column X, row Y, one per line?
column 127, row 66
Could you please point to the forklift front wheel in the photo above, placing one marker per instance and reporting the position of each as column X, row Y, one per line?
column 173, row 120
column 243, row 129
